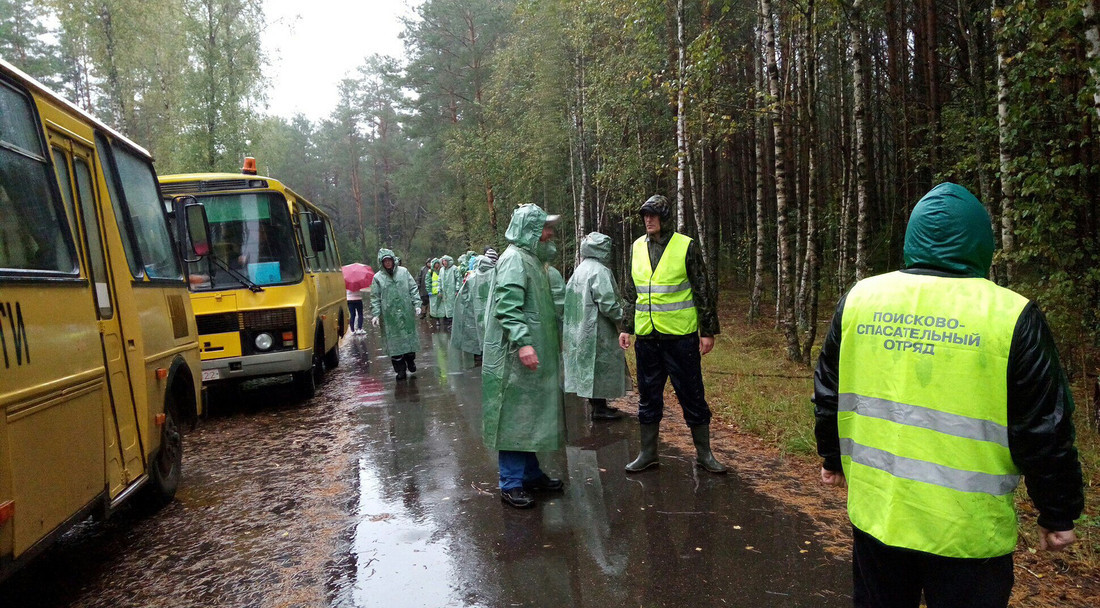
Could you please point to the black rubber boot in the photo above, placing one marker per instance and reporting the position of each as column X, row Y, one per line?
column 648, row 456
column 410, row 362
column 399, row 366
column 600, row 411
column 700, row 436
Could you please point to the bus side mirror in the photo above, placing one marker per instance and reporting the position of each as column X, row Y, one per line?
column 317, row 234
column 198, row 229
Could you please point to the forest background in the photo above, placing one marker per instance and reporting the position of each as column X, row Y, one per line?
column 795, row 136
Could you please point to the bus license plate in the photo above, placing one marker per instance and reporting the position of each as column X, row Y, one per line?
column 211, row 374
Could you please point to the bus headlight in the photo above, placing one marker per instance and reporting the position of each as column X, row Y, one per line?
column 264, row 341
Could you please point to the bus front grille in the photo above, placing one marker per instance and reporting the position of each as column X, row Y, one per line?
column 219, row 323
column 275, row 318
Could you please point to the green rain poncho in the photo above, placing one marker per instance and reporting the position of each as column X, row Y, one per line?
column 521, row 408
column 393, row 299
column 595, row 366
column 435, row 291
column 468, row 329
column 448, row 286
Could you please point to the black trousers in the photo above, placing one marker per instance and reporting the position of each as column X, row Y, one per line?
column 401, row 363
column 355, row 307
column 891, row 577
column 678, row 359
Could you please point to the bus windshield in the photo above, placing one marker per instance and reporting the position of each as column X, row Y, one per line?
column 252, row 242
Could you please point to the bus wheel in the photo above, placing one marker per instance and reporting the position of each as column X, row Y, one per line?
column 332, row 357
column 319, row 357
column 167, row 464
column 304, row 384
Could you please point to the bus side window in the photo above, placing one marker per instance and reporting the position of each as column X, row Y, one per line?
column 64, row 179
column 150, row 222
column 34, row 232
column 328, row 247
column 123, row 218
column 98, row 265
column 332, row 250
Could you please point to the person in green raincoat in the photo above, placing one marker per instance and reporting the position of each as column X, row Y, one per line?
column 595, row 363
column 469, row 324
column 448, row 287
column 394, row 306
column 434, row 291
column 522, row 403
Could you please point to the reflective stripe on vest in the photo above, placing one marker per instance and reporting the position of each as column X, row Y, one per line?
column 665, row 299
column 923, row 413
column 435, row 283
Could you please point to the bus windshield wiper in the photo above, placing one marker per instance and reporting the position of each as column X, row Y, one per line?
column 243, row 280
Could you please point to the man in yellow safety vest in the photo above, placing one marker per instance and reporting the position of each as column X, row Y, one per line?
column 669, row 307
column 935, row 391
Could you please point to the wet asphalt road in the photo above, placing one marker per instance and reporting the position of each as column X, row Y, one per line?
column 379, row 493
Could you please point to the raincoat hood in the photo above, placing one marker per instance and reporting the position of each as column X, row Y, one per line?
column 435, row 261
column 950, row 230
column 596, row 246
column 386, row 253
column 525, row 229
column 450, row 261
column 485, row 264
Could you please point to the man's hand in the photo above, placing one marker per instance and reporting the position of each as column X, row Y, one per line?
column 528, row 357
column 418, row 311
column 832, row 478
column 374, row 321
column 1055, row 541
column 624, row 341
column 705, row 345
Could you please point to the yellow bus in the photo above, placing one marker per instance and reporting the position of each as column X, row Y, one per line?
column 269, row 299
column 99, row 354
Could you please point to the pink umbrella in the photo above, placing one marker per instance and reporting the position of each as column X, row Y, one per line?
column 357, row 276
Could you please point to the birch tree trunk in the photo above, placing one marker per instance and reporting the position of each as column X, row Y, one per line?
column 862, row 142
column 1008, row 188
column 758, row 142
column 786, row 277
column 681, row 119
column 812, row 286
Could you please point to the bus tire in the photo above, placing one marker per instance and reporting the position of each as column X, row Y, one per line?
column 332, row 357
column 304, row 384
column 319, row 355
column 166, row 465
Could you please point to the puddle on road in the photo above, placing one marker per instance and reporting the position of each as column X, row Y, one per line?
column 433, row 532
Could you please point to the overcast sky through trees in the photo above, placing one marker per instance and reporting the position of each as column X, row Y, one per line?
column 313, row 45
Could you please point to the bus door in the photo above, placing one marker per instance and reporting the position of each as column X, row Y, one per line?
column 124, row 453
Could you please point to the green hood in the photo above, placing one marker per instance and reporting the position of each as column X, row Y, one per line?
column 450, row 261
column 525, row 229
column 386, row 253
column 950, row 230
column 596, row 246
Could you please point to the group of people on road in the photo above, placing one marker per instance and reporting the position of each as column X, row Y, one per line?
column 935, row 391
column 544, row 336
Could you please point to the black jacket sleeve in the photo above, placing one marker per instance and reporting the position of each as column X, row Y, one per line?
column 826, row 384
column 1040, row 423
column 705, row 304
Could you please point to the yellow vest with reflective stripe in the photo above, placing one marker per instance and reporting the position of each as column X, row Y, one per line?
column 435, row 283
column 664, row 293
column 923, row 400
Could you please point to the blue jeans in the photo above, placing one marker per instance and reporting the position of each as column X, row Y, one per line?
column 516, row 468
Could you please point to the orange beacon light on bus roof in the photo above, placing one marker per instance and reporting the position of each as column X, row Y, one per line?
column 249, row 167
